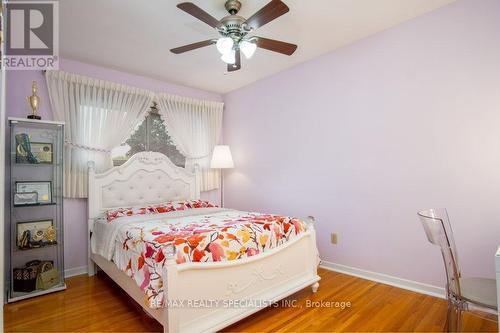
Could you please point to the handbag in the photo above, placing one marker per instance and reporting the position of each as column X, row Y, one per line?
column 48, row 275
column 25, row 278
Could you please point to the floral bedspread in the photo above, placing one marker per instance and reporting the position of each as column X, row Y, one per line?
column 221, row 236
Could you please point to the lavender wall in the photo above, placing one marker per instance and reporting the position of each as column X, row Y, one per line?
column 367, row 135
column 75, row 210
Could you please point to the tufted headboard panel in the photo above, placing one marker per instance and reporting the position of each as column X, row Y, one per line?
column 146, row 178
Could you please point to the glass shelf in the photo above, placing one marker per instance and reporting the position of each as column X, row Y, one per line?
column 36, row 165
column 36, row 205
column 20, row 295
column 35, row 248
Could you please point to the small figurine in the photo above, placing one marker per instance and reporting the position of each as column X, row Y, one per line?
column 50, row 234
column 34, row 102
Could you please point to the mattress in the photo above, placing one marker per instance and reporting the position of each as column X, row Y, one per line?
column 136, row 243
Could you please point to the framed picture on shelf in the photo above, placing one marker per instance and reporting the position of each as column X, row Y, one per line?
column 34, row 234
column 43, row 152
column 42, row 188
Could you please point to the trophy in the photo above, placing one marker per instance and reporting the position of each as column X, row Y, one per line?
column 34, row 101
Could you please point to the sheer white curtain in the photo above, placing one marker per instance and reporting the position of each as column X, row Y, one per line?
column 195, row 127
column 99, row 116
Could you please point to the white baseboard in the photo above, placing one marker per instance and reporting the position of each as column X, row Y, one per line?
column 75, row 271
column 418, row 287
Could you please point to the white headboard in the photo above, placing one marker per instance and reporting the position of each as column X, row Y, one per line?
column 146, row 178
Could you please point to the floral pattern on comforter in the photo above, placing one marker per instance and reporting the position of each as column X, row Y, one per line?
column 229, row 235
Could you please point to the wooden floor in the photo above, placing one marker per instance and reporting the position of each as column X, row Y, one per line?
column 96, row 304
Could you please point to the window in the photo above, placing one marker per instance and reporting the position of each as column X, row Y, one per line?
column 150, row 135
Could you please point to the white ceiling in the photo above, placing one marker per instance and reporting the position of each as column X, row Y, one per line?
column 135, row 36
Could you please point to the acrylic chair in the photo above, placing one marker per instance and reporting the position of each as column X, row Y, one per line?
column 463, row 294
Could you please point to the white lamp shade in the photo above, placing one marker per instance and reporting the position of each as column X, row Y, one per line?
column 222, row 158
column 224, row 45
column 229, row 57
column 248, row 48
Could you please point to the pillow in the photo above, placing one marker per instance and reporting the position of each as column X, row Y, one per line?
column 121, row 212
column 199, row 204
column 169, row 206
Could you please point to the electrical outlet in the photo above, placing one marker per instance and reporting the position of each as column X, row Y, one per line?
column 333, row 238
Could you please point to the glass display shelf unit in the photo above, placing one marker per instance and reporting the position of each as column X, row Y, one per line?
column 34, row 227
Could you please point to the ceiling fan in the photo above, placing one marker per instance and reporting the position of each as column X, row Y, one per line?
column 234, row 31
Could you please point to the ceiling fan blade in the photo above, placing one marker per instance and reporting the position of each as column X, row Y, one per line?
column 237, row 64
column 199, row 13
column 276, row 45
column 266, row 14
column 193, row 46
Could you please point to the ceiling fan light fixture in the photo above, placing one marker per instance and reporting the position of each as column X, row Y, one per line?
column 224, row 45
column 229, row 57
column 236, row 32
column 248, row 48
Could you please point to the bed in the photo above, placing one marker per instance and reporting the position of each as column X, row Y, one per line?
column 200, row 292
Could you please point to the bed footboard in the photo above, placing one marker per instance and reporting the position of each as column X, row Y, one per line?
column 206, row 297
